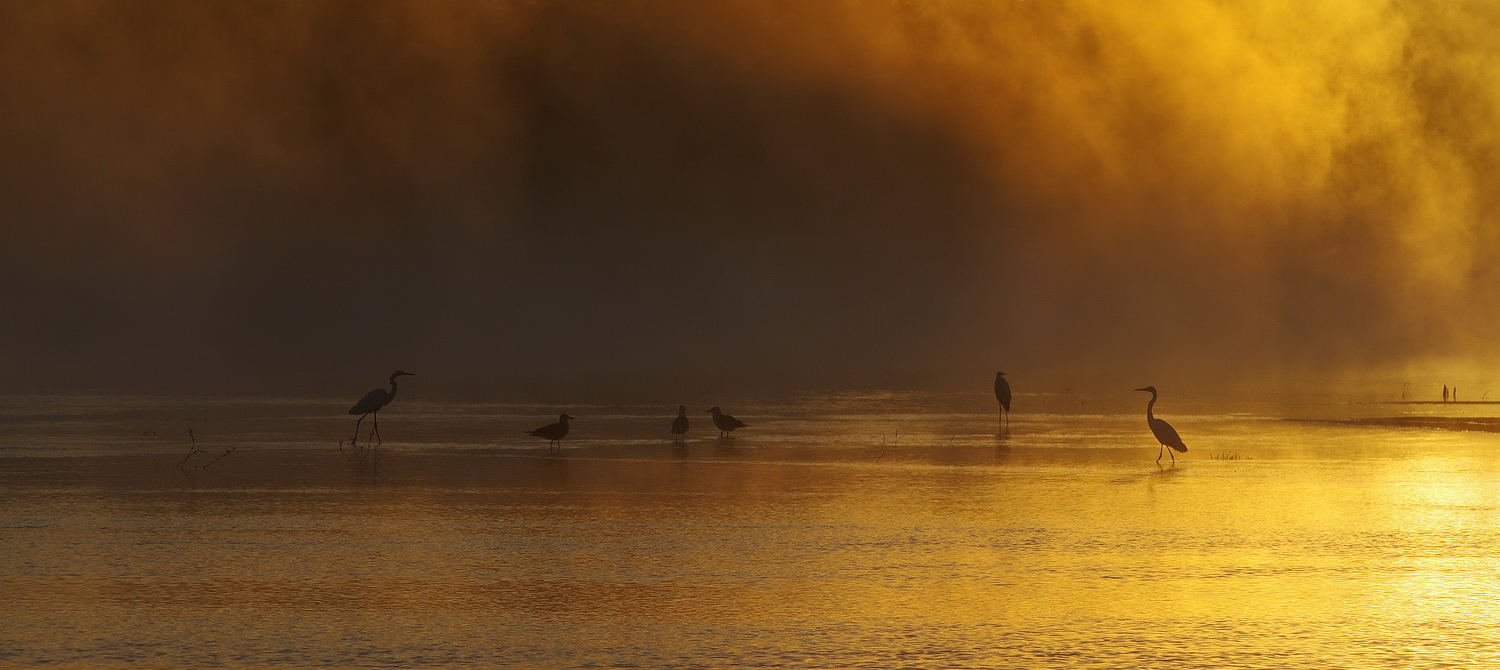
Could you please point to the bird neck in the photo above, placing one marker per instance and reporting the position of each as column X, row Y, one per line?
column 393, row 388
column 1149, row 404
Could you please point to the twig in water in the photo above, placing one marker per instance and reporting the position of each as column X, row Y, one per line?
column 191, row 450
column 358, row 453
column 216, row 460
column 883, row 445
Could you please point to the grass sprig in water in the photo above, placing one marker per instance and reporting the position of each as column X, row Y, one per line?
column 192, row 450
column 216, row 460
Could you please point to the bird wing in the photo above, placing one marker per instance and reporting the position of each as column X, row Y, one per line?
column 680, row 424
column 1167, row 435
column 1002, row 393
column 553, row 431
column 372, row 401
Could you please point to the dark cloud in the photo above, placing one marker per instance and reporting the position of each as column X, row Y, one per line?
column 534, row 198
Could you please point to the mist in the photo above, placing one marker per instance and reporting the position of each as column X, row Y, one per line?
column 648, row 199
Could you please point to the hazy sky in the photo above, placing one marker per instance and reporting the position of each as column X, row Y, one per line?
column 578, row 199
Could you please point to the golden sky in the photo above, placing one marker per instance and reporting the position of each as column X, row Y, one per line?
column 544, row 195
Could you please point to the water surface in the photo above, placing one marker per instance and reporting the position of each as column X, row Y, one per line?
column 844, row 530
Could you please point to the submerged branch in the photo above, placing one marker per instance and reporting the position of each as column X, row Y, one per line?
column 216, row 460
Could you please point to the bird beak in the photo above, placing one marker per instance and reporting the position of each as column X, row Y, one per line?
column 1140, row 389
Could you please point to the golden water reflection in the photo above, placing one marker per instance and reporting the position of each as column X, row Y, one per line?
column 1373, row 549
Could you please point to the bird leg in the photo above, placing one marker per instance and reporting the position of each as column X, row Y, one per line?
column 355, row 442
column 1159, row 449
column 377, row 428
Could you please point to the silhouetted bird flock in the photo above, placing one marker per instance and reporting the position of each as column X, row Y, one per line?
column 370, row 405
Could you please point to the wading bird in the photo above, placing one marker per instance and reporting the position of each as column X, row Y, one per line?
column 1162, row 430
column 680, row 424
column 725, row 422
column 553, row 433
column 371, row 404
column 1002, row 393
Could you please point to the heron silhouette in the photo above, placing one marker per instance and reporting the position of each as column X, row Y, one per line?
column 371, row 404
column 680, row 424
column 1163, row 431
column 725, row 422
column 553, row 432
column 1002, row 393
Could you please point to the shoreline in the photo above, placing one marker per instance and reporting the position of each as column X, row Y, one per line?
column 1477, row 424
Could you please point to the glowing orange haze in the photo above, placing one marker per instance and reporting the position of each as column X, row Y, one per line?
column 854, row 193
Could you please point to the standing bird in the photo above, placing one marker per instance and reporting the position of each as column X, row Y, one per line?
column 1163, row 431
column 680, row 424
column 1002, row 393
column 725, row 422
column 553, row 432
column 371, row 404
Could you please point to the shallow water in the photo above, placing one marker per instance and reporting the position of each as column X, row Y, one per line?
column 852, row 530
